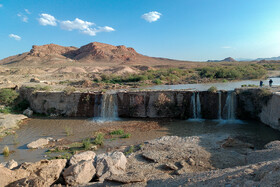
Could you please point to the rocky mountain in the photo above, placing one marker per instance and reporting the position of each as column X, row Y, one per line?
column 228, row 59
column 90, row 53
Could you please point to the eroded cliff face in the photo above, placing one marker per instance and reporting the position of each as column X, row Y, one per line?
column 270, row 113
column 138, row 104
column 255, row 104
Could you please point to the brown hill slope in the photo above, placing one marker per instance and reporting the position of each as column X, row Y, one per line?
column 91, row 53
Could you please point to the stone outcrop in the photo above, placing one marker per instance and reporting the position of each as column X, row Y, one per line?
column 270, row 113
column 80, row 173
column 250, row 104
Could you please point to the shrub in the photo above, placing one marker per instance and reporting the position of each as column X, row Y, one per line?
column 68, row 131
column 6, row 110
column 99, row 139
column 8, row 96
column 86, row 143
column 6, row 151
column 126, row 135
column 117, row 132
column 130, row 150
column 213, row 89
column 157, row 81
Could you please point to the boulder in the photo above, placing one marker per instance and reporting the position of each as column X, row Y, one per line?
column 10, row 165
column 40, row 143
column 110, row 163
column 80, row 173
column 88, row 155
column 42, row 173
column 28, row 112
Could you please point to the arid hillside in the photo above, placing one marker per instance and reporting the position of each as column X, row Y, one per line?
column 93, row 53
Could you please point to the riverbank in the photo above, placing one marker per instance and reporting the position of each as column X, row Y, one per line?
column 196, row 160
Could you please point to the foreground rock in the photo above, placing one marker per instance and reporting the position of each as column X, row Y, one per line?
column 88, row 155
column 80, row 173
column 42, row 173
column 110, row 164
column 40, row 143
column 169, row 160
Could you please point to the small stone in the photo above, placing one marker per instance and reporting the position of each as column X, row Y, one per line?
column 171, row 166
column 35, row 80
column 191, row 161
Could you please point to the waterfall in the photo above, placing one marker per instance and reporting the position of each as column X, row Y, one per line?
column 109, row 107
column 196, row 106
column 220, row 106
column 193, row 105
column 230, row 106
column 96, row 107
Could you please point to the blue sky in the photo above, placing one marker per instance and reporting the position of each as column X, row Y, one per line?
column 178, row 29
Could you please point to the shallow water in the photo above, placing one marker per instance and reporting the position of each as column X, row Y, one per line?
column 220, row 86
column 248, row 131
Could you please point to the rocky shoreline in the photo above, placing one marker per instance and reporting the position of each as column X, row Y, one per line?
column 204, row 160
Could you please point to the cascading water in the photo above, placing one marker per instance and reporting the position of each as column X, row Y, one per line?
column 109, row 108
column 193, row 106
column 220, row 106
column 230, row 106
column 196, row 106
column 96, row 107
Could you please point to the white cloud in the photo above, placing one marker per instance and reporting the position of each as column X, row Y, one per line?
column 151, row 16
column 77, row 24
column 1, row 5
column 47, row 19
column 84, row 27
column 226, row 47
column 27, row 11
column 94, row 31
column 14, row 36
column 24, row 18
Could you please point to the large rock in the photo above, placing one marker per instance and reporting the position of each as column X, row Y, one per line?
column 110, row 163
column 8, row 121
column 80, row 173
column 88, row 155
column 42, row 173
column 40, row 143
column 10, row 165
